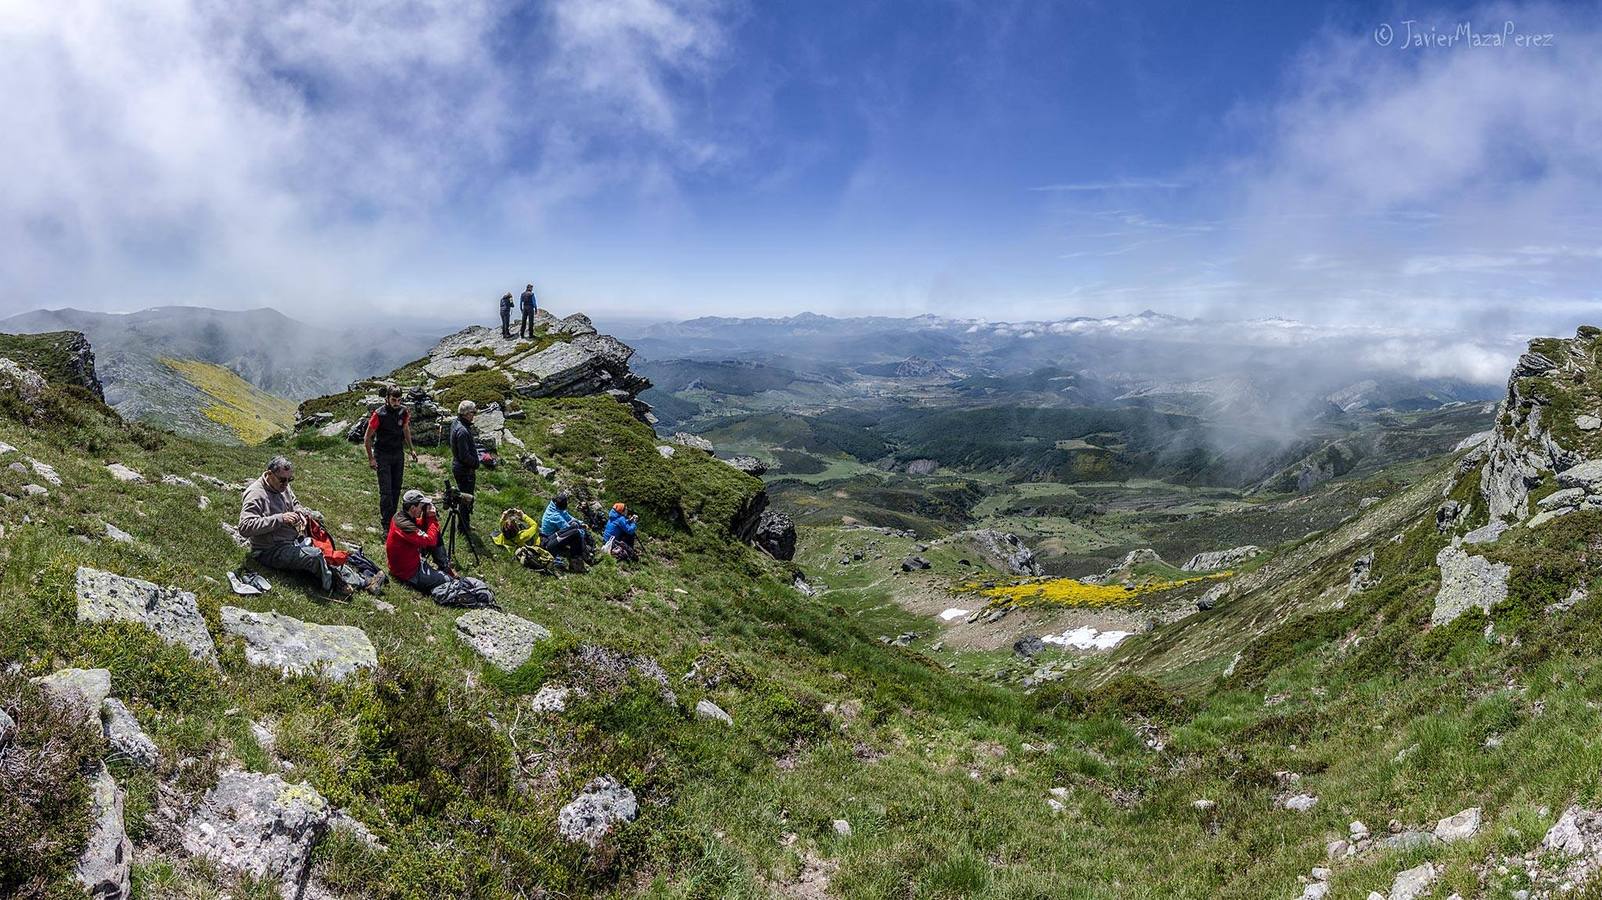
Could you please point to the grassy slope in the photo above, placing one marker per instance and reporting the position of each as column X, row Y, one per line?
column 246, row 410
column 943, row 777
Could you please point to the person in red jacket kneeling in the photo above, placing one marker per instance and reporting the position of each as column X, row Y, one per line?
column 413, row 541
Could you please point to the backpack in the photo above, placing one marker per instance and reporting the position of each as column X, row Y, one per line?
column 537, row 558
column 321, row 540
column 470, row 593
column 359, row 561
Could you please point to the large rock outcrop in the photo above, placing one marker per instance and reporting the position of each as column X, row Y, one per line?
column 1220, row 559
column 1530, row 442
column 1467, row 582
column 1003, row 549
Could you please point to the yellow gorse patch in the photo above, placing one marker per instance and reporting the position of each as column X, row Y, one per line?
column 1073, row 592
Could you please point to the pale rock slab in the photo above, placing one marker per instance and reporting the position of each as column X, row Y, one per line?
column 294, row 647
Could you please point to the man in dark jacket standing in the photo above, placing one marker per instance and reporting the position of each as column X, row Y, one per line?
column 526, row 329
column 389, row 437
column 506, row 315
column 464, row 459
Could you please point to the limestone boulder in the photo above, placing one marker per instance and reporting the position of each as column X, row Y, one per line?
column 294, row 647
column 106, row 865
column 503, row 639
column 600, row 808
column 1220, row 559
column 124, row 735
column 80, row 690
column 261, row 826
column 1467, row 582
column 172, row 614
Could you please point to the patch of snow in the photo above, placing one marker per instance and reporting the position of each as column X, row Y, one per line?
column 953, row 613
column 1087, row 638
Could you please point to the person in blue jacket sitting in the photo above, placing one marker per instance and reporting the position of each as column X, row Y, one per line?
column 618, row 538
column 565, row 536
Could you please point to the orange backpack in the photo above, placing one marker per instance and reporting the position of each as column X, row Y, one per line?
column 321, row 540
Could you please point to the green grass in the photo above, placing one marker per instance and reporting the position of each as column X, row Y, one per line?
column 943, row 775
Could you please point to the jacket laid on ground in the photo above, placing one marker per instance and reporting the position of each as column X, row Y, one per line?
column 406, row 541
column 555, row 520
column 618, row 524
column 259, row 515
column 528, row 534
column 528, row 301
column 464, row 447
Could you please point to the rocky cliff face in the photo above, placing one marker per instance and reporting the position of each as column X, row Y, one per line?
column 1547, row 423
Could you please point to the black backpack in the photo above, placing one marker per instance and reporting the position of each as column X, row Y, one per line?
column 469, row 593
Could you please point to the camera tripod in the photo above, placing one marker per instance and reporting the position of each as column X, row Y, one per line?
column 450, row 534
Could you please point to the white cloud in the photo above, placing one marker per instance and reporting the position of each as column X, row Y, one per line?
column 236, row 153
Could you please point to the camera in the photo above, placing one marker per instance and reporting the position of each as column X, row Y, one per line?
column 453, row 498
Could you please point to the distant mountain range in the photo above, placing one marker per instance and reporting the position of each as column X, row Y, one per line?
column 1261, row 371
column 225, row 375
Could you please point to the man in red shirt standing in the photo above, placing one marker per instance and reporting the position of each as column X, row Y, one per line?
column 414, row 533
column 389, row 436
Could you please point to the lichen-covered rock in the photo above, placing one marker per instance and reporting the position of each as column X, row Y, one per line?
column 1486, row 534
column 693, row 441
column 750, row 465
column 1467, row 582
column 501, row 638
column 1004, row 550
column 124, row 734
column 81, row 690
column 124, row 474
column 300, row 648
column 105, row 867
column 1459, row 827
column 172, row 614
column 1220, row 559
column 601, row 807
column 260, row 826
column 1413, row 883
column 46, row 471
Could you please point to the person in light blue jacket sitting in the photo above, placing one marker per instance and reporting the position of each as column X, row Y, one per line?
column 618, row 538
column 565, row 536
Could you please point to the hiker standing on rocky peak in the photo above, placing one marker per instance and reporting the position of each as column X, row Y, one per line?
column 389, row 437
column 529, row 307
column 464, row 461
column 272, row 519
column 506, row 315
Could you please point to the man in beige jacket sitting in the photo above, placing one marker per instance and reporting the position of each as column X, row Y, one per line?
column 274, row 522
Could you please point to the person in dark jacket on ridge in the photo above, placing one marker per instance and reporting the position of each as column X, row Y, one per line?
column 414, row 534
column 506, row 315
column 389, row 438
column 529, row 307
column 464, row 460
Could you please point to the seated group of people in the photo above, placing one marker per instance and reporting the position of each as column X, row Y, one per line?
column 277, row 526
column 567, row 537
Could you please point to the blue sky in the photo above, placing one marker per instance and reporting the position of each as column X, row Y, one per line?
column 669, row 158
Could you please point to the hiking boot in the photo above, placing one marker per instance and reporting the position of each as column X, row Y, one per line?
column 376, row 584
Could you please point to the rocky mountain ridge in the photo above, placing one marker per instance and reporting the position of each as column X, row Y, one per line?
column 147, row 362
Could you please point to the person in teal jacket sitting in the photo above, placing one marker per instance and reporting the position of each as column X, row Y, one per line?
column 563, row 535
